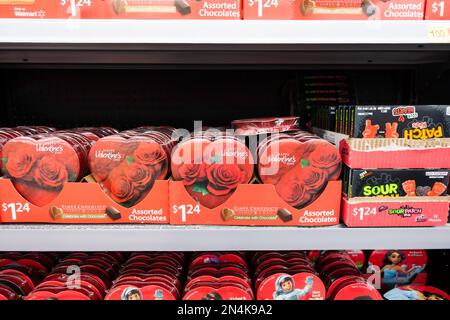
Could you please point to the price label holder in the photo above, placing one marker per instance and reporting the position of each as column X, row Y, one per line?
column 395, row 211
column 438, row 34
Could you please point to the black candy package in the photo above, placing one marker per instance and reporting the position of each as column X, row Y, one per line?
column 395, row 182
column 409, row 122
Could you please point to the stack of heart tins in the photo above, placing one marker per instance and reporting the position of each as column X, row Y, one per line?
column 149, row 276
column 40, row 161
column 127, row 164
column 211, row 164
column 79, row 276
column 218, row 276
column 288, row 275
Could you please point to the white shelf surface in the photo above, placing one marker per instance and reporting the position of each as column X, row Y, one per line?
column 200, row 238
column 216, row 32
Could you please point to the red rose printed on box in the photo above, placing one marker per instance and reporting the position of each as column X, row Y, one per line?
column 299, row 165
column 39, row 167
column 127, row 165
column 211, row 168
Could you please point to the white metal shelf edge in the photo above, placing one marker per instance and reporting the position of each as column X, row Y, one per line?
column 198, row 238
column 215, row 32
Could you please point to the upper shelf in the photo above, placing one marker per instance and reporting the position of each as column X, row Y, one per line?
column 219, row 31
column 223, row 42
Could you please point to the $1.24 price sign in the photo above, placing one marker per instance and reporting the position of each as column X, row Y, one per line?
column 363, row 212
column 263, row 4
column 185, row 210
column 438, row 10
column 15, row 208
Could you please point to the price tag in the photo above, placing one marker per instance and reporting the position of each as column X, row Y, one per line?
column 186, row 210
column 15, row 208
column 263, row 4
column 363, row 212
column 439, row 34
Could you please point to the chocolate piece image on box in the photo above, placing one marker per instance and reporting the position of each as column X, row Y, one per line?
column 369, row 8
column 308, row 7
column 284, row 214
column 398, row 183
column 227, row 214
column 143, row 6
column 113, row 213
column 56, row 213
column 182, row 7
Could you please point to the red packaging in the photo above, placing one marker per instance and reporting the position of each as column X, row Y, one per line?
column 299, row 168
column 29, row 9
column 38, row 166
column 399, row 154
column 172, row 9
column 336, row 10
column 437, row 10
column 357, row 291
column 127, row 168
column 264, row 125
column 400, row 267
column 211, row 170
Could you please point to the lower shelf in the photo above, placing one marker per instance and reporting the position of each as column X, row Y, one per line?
column 205, row 238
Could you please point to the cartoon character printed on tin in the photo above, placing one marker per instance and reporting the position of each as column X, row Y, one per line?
column 285, row 288
column 131, row 293
column 394, row 272
column 408, row 293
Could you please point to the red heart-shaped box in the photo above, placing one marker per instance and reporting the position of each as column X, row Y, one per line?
column 299, row 168
column 212, row 170
column 127, row 167
column 38, row 166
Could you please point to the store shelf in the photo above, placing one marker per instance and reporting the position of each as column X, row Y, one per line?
column 219, row 32
column 198, row 238
column 224, row 42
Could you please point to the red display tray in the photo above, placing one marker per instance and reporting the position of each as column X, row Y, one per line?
column 80, row 202
column 396, row 153
column 395, row 212
column 255, row 205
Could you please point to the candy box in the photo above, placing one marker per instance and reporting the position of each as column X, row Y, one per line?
column 334, row 10
column 396, row 183
column 409, row 122
column 172, row 9
column 79, row 202
column 255, row 204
